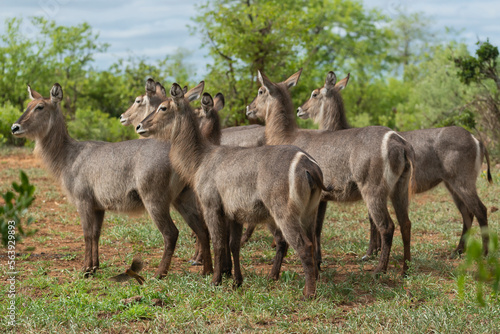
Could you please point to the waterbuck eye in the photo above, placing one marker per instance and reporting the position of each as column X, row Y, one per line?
column 39, row 107
column 260, row 92
column 163, row 108
column 314, row 94
column 137, row 101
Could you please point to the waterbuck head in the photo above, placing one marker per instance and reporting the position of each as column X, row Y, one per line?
column 144, row 104
column 159, row 122
column 270, row 95
column 326, row 103
column 40, row 115
column 209, row 117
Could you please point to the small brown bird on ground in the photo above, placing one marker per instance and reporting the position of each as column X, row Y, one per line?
column 132, row 272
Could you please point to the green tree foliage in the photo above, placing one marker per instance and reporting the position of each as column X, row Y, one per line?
column 279, row 37
column 14, row 210
column 436, row 96
column 481, row 72
column 66, row 55
column 58, row 53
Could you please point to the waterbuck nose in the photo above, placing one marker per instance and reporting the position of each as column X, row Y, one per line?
column 138, row 127
column 121, row 116
column 14, row 128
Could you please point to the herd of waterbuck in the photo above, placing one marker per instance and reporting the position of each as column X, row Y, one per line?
column 276, row 174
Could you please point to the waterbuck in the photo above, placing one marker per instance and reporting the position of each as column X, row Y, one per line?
column 128, row 176
column 275, row 184
column 451, row 155
column 244, row 136
column 372, row 163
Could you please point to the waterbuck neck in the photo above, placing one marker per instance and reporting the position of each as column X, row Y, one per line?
column 332, row 114
column 54, row 147
column 281, row 126
column 210, row 128
column 187, row 145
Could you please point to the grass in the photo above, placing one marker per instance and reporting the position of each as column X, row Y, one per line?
column 53, row 297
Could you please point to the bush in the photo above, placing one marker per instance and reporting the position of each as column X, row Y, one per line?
column 14, row 208
column 9, row 116
column 96, row 125
column 485, row 270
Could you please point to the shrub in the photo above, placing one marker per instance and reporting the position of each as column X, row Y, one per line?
column 9, row 115
column 96, row 125
column 485, row 270
column 14, row 208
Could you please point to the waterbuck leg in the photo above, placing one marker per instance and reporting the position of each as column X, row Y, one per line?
column 218, row 229
column 320, row 217
column 248, row 233
column 96, row 234
column 227, row 264
column 160, row 214
column 468, row 195
column 375, row 242
column 235, row 245
column 399, row 200
column 467, row 218
column 297, row 238
column 186, row 205
column 281, row 251
column 91, row 224
column 377, row 207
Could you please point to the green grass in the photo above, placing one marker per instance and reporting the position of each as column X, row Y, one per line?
column 53, row 297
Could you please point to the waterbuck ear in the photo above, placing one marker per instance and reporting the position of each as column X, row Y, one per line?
column 176, row 91
column 219, row 102
column 342, row 83
column 265, row 81
column 207, row 102
column 150, row 87
column 195, row 93
column 160, row 90
column 292, row 81
column 33, row 94
column 56, row 93
column 185, row 89
column 330, row 80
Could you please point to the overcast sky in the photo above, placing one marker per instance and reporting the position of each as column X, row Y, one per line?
column 155, row 28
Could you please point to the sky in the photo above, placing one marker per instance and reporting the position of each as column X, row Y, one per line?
column 156, row 28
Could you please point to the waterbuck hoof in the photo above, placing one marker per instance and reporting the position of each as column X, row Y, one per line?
column 160, row 276
column 366, row 257
column 89, row 271
column 195, row 263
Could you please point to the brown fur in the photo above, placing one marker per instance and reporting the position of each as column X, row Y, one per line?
column 441, row 155
column 373, row 163
column 237, row 184
column 97, row 176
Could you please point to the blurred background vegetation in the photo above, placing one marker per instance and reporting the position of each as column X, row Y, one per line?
column 404, row 73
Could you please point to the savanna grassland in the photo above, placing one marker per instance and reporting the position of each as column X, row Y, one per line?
column 52, row 296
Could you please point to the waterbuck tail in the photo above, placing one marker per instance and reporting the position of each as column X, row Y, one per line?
column 487, row 155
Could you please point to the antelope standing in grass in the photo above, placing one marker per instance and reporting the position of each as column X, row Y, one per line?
column 451, row 155
column 128, row 176
column 244, row 136
column 236, row 184
column 372, row 163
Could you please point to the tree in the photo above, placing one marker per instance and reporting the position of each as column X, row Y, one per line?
column 482, row 72
column 279, row 37
column 65, row 53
